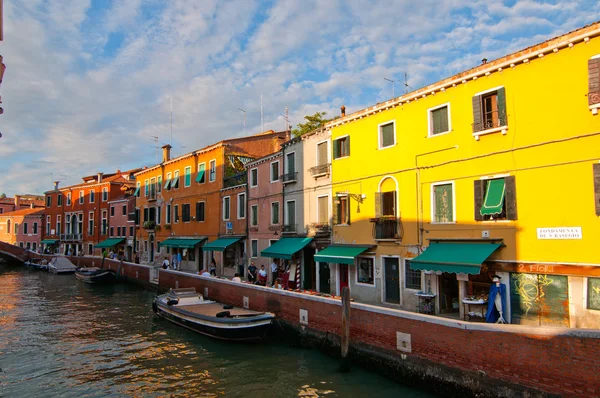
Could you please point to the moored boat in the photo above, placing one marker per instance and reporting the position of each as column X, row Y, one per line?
column 189, row 309
column 37, row 263
column 61, row 265
column 95, row 275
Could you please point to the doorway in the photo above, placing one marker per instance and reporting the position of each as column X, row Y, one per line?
column 449, row 302
column 392, row 279
column 324, row 278
column 151, row 254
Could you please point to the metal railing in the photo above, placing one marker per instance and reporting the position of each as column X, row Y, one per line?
column 70, row 237
column 235, row 180
column 490, row 120
column 594, row 98
column 290, row 228
column 151, row 196
column 320, row 170
column 385, row 228
column 290, row 177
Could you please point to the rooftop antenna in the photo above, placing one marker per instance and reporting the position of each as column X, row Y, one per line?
column 244, row 119
column 155, row 139
column 406, row 86
column 393, row 86
column 287, row 120
column 262, row 123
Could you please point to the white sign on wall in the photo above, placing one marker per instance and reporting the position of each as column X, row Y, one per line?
column 559, row 233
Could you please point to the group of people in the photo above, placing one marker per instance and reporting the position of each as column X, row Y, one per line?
column 174, row 263
column 212, row 269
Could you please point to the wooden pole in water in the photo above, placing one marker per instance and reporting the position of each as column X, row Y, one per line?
column 345, row 365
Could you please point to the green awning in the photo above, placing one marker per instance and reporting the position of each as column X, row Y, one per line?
column 454, row 257
column 167, row 183
column 137, row 192
column 220, row 244
column 182, row 243
column 50, row 241
column 200, row 176
column 109, row 243
column 342, row 254
column 285, row 247
column 494, row 197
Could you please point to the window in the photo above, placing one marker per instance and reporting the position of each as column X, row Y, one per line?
column 593, row 293
column 323, row 210
column 159, row 184
column 146, row 189
column 254, row 220
column 153, row 188
column 187, row 172
column 104, row 222
column 118, row 231
column 131, row 231
column 168, row 183
column 213, row 171
column 412, row 278
column 341, row 210
column 275, row 171
column 226, row 208
column 176, row 211
column 91, row 224
column 112, row 231
column 35, row 228
column 25, row 228
column 201, row 177
column 69, row 199
column 81, row 194
column 48, row 201
column 322, row 154
column 254, row 248
column 387, row 134
column 146, row 214
column 21, row 245
column 185, row 212
column 175, row 182
column 48, row 227
column 59, row 200
column 439, row 120
column 104, row 194
column 385, row 204
column 291, row 215
column 341, row 147
column 442, row 203
column 290, row 162
column 364, row 271
column 594, row 82
column 28, row 245
column 58, row 225
column 489, row 110
column 158, row 211
column 137, row 216
column 168, row 214
column 496, row 199
column 92, row 196
column 275, row 213
column 112, row 211
column 34, row 246
column 241, row 205
column 124, row 210
column 200, row 211
column 253, row 178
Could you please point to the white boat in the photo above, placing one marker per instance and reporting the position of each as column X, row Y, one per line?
column 37, row 263
column 189, row 309
column 61, row 265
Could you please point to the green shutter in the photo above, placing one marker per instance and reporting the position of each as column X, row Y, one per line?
column 510, row 197
column 478, row 195
column 494, row 197
column 347, row 146
column 502, row 118
column 335, row 211
column 440, row 120
column 477, row 116
column 443, row 203
column 336, row 148
column 387, row 135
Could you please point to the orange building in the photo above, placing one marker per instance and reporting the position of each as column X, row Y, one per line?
column 23, row 228
column 183, row 202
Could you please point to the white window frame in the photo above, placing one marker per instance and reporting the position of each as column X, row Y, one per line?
column 430, row 124
column 333, row 143
column 175, row 177
column 159, row 181
column 81, row 197
column 170, row 179
column 176, row 215
column 404, row 276
column 252, row 215
column 271, row 171
column 241, row 209
column 205, row 177
column 228, row 200
column 92, row 196
column 157, row 216
column 91, row 223
column 104, row 217
column 146, row 189
column 432, row 204
column 104, row 191
column 278, row 211
column 185, row 174
column 328, row 160
column 393, row 122
column 252, row 185
column 48, row 225
column 252, row 254
column 58, row 224
column 210, row 164
column 68, row 198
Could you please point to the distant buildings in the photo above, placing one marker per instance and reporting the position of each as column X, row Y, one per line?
column 23, row 227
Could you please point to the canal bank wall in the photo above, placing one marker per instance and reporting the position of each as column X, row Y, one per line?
column 445, row 356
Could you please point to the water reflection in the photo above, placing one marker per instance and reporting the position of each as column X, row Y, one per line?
column 59, row 337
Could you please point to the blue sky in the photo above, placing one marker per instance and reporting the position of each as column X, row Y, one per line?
column 89, row 83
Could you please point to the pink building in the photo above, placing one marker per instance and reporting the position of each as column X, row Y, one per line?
column 20, row 202
column 22, row 228
column 265, row 206
column 121, row 227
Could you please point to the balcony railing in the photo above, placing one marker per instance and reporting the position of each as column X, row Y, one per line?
column 320, row 170
column 594, row 98
column 253, row 228
column 490, row 120
column 235, row 180
column 320, row 227
column 151, row 196
column 290, row 177
column 290, row 228
column 70, row 237
column 385, row 228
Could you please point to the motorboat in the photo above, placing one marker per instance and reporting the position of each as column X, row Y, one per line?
column 191, row 310
column 37, row 263
column 61, row 265
column 95, row 275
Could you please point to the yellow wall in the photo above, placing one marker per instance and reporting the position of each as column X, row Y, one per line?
column 546, row 100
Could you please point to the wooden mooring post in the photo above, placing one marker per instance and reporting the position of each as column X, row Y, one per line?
column 345, row 363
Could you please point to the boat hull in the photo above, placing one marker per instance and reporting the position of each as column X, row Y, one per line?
column 34, row 265
column 105, row 276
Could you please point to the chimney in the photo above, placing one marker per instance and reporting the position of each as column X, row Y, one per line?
column 56, row 185
column 100, row 177
column 484, row 61
column 31, row 204
column 17, row 202
column 166, row 153
column 343, row 108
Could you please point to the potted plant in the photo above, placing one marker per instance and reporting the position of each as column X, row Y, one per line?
column 149, row 225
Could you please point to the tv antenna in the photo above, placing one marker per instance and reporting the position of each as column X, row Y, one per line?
column 393, row 86
column 244, row 119
column 406, row 86
column 286, row 118
column 155, row 146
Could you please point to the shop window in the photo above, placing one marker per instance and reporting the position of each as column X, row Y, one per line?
column 412, row 278
column 364, row 271
column 593, row 294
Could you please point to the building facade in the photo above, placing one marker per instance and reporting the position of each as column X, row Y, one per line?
column 121, row 226
column 23, row 228
column 20, row 202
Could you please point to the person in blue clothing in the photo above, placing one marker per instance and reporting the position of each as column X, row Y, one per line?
column 496, row 302
column 178, row 260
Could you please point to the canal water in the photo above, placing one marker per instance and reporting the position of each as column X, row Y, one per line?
column 60, row 337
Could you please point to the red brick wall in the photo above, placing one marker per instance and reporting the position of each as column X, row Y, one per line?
column 556, row 361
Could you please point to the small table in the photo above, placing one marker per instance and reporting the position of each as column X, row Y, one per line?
column 426, row 304
column 480, row 305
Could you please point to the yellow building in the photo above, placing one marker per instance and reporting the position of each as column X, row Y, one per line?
column 495, row 170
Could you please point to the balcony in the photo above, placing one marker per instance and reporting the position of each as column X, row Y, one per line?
column 490, row 120
column 253, row 228
column 235, row 180
column 319, row 229
column 385, row 228
column 151, row 196
column 149, row 225
column 70, row 237
column 290, row 229
column 289, row 177
column 320, row 170
column 274, row 227
column 594, row 98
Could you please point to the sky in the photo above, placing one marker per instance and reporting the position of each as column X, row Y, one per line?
column 89, row 83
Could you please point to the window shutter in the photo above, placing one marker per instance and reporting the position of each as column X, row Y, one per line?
column 336, row 148
column 510, row 197
column 502, row 119
column 478, row 195
column 593, row 80
column 347, row 146
column 348, row 212
column 197, row 211
column 477, row 119
column 334, row 211
column 378, row 203
column 597, row 187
